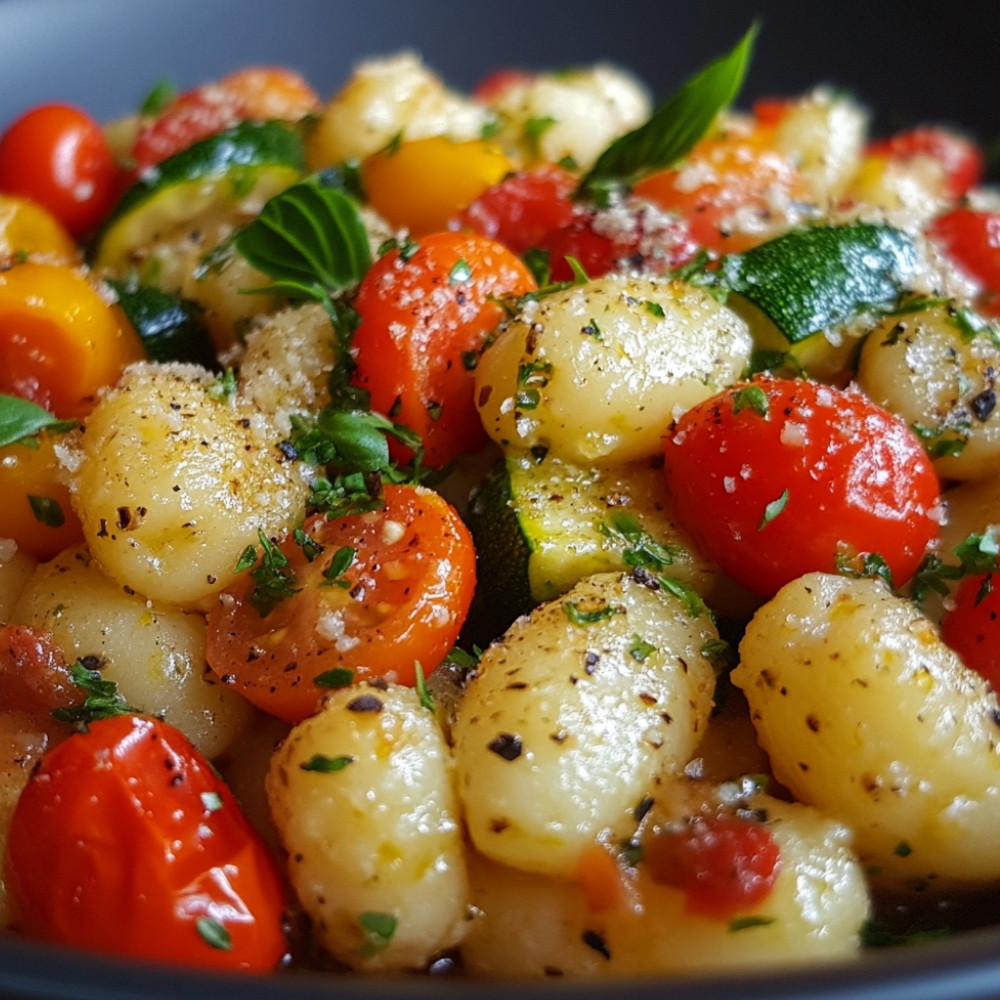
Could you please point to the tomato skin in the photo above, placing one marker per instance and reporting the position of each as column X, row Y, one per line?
column 971, row 239
column 961, row 158
column 404, row 600
column 57, row 156
column 124, row 838
column 857, row 479
column 723, row 864
column 721, row 178
column 972, row 626
column 419, row 326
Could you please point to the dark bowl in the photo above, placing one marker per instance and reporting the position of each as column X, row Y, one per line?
column 908, row 64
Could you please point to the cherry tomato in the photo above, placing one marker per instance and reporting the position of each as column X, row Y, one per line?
column 401, row 601
column 961, row 158
column 28, row 229
column 723, row 864
column 971, row 238
column 972, row 627
column 423, row 183
column 493, row 86
column 60, row 341
column 523, row 208
column 425, row 315
column 724, row 179
column 780, row 477
column 57, row 156
column 36, row 511
column 126, row 841
column 258, row 92
column 34, row 675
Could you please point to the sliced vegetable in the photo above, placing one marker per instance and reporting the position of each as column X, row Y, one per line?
column 972, row 626
column 28, row 229
column 426, row 311
column 126, row 841
column 171, row 328
column 232, row 171
column 779, row 477
column 813, row 279
column 60, row 341
column 372, row 594
column 57, row 156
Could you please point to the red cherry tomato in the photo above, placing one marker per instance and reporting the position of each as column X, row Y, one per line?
column 723, row 864
column 780, row 477
column 492, row 87
column 972, row 627
column 424, row 316
column 523, row 208
column 259, row 92
column 971, row 238
column 126, row 841
column 961, row 158
column 57, row 156
column 402, row 600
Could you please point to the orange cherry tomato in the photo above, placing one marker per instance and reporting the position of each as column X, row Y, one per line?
column 421, row 184
column 724, row 864
column 425, row 315
column 781, row 477
column 36, row 511
column 723, row 182
column 402, row 600
column 60, row 341
column 57, row 156
column 126, row 841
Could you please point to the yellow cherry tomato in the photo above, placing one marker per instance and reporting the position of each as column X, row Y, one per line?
column 421, row 184
column 60, row 341
column 27, row 228
column 36, row 511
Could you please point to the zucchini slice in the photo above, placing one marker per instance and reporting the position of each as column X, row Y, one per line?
column 232, row 173
column 171, row 328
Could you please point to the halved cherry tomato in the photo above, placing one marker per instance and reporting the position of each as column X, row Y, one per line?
column 259, row 92
column 425, row 313
column 971, row 239
column 60, row 341
column 57, row 155
column 36, row 511
column 723, row 181
column 972, row 626
column 960, row 157
column 401, row 601
column 780, row 477
column 126, row 841
column 421, row 184
column 723, row 864
column 34, row 675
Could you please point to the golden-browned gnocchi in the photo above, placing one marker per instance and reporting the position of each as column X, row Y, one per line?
column 155, row 653
column 386, row 99
column 573, row 713
column 867, row 715
column 173, row 480
column 598, row 372
column 362, row 794
column 938, row 375
column 538, row 926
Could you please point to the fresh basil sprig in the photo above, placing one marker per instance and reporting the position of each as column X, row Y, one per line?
column 675, row 126
column 310, row 240
column 21, row 419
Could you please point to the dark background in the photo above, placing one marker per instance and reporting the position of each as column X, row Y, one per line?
column 908, row 62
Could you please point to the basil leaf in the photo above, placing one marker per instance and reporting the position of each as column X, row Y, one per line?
column 675, row 126
column 310, row 240
column 20, row 419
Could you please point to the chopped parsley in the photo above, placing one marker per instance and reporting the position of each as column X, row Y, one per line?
column 322, row 764
column 102, row 699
